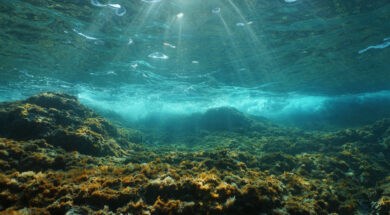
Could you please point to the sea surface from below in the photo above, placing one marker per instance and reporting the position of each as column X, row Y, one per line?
column 195, row 107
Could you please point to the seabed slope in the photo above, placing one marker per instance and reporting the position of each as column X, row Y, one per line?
column 60, row 157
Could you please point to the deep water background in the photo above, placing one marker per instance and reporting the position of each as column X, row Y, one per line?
column 310, row 63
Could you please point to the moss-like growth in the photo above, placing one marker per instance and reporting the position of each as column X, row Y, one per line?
column 264, row 168
column 61, row 120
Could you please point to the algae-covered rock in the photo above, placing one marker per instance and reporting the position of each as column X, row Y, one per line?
column 381, row 198
column 60, row 119
column 234, row 164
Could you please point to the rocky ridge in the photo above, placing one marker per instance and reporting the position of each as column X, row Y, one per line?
column 59, row 157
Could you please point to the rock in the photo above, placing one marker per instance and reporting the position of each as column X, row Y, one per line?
column 263, row 170
column 380, row 201
column 224, row 118
column 214, row 119
column 61, row 120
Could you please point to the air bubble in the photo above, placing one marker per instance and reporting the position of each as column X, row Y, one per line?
column 120, row 11
column 134, row 65
column 115, row 6
column 151, row 1
column 216, row 10
column 97, row 3
column 169, row 45
column 158, row 55
column 131, row 41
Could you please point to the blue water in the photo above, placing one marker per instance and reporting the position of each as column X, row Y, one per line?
column 290, row 61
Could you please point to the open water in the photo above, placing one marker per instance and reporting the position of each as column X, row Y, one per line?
column 287, row 60
column 214, row 107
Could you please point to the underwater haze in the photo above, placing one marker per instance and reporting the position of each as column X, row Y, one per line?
column 181, row 107
column 287, row 60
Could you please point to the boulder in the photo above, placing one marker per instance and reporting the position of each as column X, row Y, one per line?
column 224, row 118
column 60, row 119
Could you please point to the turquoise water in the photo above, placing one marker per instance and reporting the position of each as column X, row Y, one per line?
column 195, row 107
column 291, row 61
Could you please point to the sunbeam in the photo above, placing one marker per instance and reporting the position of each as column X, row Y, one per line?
column 194, row 107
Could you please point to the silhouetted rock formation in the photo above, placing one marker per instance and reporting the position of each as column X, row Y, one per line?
column 214, row 119
column 224, row 118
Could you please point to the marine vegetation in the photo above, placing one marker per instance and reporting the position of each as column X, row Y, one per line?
column 59, row 157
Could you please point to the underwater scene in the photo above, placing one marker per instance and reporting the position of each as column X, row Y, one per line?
column 263, row 107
